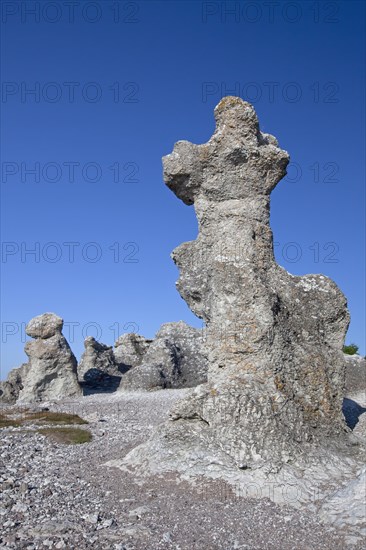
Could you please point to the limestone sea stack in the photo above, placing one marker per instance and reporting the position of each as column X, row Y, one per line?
column 130, row 349
column 274, row 341
column 51, row 371
column 97, row 368
column 176, row 358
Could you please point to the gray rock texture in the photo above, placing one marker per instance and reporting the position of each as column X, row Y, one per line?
column 10, row 388
column 347, row 506
column 51, row 370
column 97, row 367
column 130, row 349
column 355, row 373
column 175, row 359
column 276, row 369
column 63, row 497
column 44, row 326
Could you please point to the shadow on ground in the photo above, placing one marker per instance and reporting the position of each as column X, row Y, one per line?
column 109, row 385
column 352, row 412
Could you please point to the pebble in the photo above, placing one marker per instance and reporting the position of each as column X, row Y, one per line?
column 63, row 497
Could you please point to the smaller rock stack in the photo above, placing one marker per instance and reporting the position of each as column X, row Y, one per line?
column 10, row 388
column 355, row 373
column 174, row 359
column 51, row 372
column 97, row 368
column 130, row 349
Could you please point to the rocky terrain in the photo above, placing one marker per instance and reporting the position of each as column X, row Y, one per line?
column 270, row 414
column 175, row 358
column 274, row 341
column 63, row 496
column 250, row 433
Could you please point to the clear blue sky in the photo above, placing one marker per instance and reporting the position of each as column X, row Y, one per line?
column 117, row 89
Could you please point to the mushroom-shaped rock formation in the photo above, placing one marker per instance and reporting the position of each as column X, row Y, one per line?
column 51, row 370
column 274, row 341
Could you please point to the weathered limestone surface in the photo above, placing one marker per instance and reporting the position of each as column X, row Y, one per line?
column 355, row 373
column 276, row 370
column 44, row 326
column 10, row 388
column 97, row 367
column 175, row 359
column 51, row 371
column 130, row 349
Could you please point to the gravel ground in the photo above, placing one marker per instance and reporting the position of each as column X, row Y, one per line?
column 62, row 496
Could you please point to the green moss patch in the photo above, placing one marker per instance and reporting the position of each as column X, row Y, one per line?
column 67, row 436
column 18, row 418
column 6, row 422
column 46, row 417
